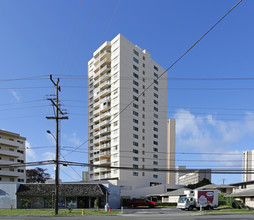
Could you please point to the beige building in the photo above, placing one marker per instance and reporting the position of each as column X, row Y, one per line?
column 185, row 177
column 171, row 127
column 122, row 135
column 12, row 151
column 248, row 165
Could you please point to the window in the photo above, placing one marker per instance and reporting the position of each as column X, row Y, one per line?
column 115, row 123
column 156, row 75
column 115, row 75
column 135, row 173
column 155, row 163
column 155, row 176
column 143, row 130
column 135, row 166
column 143, row 145
column 11, row 159
column 135, row 68
column 155, row 81
column 135, row 90
column 143, row 116
column 155, row 129
column 155, row 95
column 135, row 158
column 135, row 59
column 143, row 138
column 135, row 75
column 115, row 147
column 115, row 59
column 135, row 83
column 155, row 102
column 144, row 72
column 143, row 123
column 143, row 173
column 115, row 155
column 135, row 113
column 135, row 136
column 115, row 91
column 155, row 136
column 155, row 115
column 135, row 143
column 155, row 142
column 135, row 128
column 155, row 122
column 156, row 68
column 135, row 151
column 155, row 109
column 144, row 58
column 144, row 65
column 143, row 87
column 11, row 179
column 115, row 139
column 115, row 67
column 135, row 52
column 156, row 88
column 135, row 121
column 135, row 105
column 135, row 98
column 155, row 149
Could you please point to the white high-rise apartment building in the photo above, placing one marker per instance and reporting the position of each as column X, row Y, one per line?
column 12, row 151
column 248, row 165
column 126, row 128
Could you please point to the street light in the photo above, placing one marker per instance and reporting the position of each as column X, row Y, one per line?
column 56, row 173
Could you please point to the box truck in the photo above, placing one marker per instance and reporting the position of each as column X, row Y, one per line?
column 207, row 199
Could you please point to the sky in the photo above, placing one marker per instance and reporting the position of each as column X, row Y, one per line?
column 214, row 117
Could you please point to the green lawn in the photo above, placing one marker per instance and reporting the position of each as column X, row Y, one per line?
column 227, row 210
column 51, row 212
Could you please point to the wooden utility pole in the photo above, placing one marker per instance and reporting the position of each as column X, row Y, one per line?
column 57, row 118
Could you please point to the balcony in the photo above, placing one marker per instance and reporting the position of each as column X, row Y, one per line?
column 97, row 66
column 10, row 153
column 106, row 176
column 9, row 173
column 10, row 143
column 104, row 123
column 105, row 92
column 105, row 162
column 107, row 75
column 105, row 115
column 105, row 169
column 105, row 146
column 105, row 84
column 106, row 52
column 105, row 153
column 96, row 119
column 105, row 130
column 105, row 138
column 96, row 141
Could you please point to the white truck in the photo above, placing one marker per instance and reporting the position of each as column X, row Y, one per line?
column 207, row 199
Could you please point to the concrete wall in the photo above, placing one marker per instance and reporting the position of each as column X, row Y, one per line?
column 171, row 199
column 8, row 195
column 113, row 195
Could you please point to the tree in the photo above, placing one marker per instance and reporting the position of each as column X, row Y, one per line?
column 199, row 184
column 37, row 175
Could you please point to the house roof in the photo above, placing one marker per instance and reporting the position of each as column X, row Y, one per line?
column 243, row 193
column 178, row 192
column 40, row 189
column 214, row 186
column 243, row 183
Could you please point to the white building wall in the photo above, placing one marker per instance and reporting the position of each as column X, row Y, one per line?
column 123, row 150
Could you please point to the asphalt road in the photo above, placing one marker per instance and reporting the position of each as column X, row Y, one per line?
column 141, row 214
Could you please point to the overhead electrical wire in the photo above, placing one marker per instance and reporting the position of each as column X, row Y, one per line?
column 176, row 61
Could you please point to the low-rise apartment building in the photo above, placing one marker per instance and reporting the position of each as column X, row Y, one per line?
column 12, row 151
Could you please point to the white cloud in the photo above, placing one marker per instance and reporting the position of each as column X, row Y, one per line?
column 31, row 156
column 16, row 96
column 74, row 139
column 48, row 156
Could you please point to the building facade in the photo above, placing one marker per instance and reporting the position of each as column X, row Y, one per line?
column 127, row 128
column 171, row 126
column 12, row 151
column 186, row 178
column 248, row 165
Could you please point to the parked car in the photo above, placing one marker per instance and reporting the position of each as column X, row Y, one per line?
column 141, row 202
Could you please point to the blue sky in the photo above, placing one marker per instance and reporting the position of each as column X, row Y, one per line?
column 58, row 37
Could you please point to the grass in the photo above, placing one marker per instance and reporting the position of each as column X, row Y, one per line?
column 51, row 212
column 227, row 210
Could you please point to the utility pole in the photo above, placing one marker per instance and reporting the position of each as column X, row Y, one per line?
column 57, row 118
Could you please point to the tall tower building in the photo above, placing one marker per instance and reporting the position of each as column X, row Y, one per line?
column 12, row 151
column 248, row 165
column 123, row 134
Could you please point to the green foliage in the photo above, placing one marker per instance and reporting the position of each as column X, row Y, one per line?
column 229, row 201
column 37, row 175
column 199, row 184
